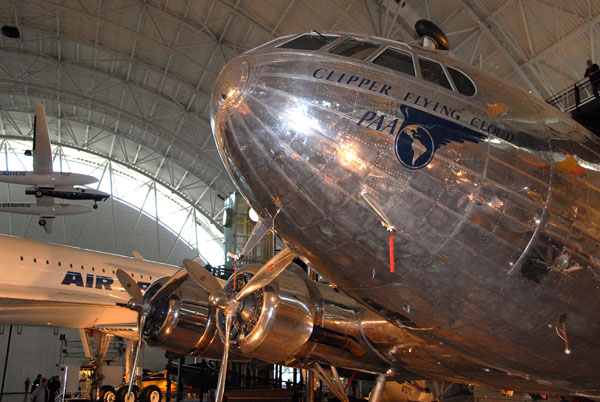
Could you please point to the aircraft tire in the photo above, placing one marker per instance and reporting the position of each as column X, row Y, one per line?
column 122, row 394
column 39, row 194
column 95, row 206
column 107, row 394
column 42, row 222
column 151, row 394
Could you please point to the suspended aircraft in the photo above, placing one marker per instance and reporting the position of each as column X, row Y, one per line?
column 46, row 184
column 462, row 210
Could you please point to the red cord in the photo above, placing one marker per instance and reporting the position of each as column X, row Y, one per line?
column 234, row 275
column 392, row 253
column 349, row 381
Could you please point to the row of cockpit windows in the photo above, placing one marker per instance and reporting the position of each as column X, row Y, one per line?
column 395, row 59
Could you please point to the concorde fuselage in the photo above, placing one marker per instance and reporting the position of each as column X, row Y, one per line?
column 49, row 284
column 495, row 200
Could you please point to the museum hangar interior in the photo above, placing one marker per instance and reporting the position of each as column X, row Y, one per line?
column 127, row 89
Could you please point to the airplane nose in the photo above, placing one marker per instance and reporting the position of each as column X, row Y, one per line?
column 231, row 85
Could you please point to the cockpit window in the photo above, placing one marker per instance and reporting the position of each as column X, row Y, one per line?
column 433, row 71
column 463, row 83
column 355, row 49
column 398, row 60
column 310, row 41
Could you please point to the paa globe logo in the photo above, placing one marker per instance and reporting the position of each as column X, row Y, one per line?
column 422, row 133
column 414, row 146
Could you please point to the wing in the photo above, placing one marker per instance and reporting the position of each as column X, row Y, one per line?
column 42, row 156
column 442, row 131
column 113, row 319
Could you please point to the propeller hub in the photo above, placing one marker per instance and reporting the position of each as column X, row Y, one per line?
column 137, row 305
column 221, row 300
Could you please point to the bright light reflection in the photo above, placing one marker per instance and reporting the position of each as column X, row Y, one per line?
column 130, row 188
column 348, row 158
column 299, row 119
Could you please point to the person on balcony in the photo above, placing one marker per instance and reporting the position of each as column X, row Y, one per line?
column 593, row 72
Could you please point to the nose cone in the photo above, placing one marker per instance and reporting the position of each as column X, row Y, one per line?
column 230, row 86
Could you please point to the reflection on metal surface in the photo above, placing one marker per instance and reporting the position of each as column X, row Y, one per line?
column 497, row 109
column 481, row 190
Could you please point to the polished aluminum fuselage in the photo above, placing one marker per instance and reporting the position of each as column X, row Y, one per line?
column 497, row 241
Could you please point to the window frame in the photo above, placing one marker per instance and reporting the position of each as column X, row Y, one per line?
column 448, row 78
column 367, row 59
column 395, row 48
column 279, row 45
column 466, row 75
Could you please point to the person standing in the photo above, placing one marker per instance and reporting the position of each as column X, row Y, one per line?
column 27, row 384
column 53, row 387
column 593, row 72
column 41, row 392
column 36, row 382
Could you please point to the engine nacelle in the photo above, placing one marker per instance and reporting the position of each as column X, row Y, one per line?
column 183, row 322
column 276, row 320
column 296, row 321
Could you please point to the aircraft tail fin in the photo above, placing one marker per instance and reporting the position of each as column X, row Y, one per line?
column 42, row 156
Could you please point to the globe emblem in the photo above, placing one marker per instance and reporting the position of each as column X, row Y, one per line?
column 414, row 147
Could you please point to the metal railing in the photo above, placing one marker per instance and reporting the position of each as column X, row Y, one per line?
column 573, row 96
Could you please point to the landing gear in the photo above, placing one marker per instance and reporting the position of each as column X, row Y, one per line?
column 122, row 394
column 39, row 193
column 42, row 222
column 151, row 394
column 107, row 394
column 95, row 206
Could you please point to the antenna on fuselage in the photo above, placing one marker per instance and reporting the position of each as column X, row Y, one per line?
column 321, row 35
column 433, row 37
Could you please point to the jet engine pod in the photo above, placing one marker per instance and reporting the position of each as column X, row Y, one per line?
column 432, row 35
column 273, row 322
column 182, row 322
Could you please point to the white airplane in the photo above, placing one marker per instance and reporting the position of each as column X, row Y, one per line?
column 48, row 284
column 46, row 184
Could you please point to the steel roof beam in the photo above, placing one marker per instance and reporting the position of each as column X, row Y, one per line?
column 128, row 31
column 498, row 43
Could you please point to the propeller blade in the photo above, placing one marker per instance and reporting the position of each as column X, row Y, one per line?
column 171, row 285
column 203, row 278
column 223, row 371
column 137, row 354
column 262, row 227
column 129, row 285
column 268, row 272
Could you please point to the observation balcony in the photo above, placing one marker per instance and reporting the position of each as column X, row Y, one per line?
column 579, row 100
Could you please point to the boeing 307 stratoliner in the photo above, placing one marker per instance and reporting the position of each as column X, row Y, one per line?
column 464, row 211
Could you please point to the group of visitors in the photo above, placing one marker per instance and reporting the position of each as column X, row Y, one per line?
column 43, row 389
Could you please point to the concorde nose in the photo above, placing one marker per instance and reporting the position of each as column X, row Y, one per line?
column 230, row 86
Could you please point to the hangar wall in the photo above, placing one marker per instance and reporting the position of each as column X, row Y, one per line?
column 37, row 350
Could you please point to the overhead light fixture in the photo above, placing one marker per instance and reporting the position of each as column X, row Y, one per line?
column 253, row 215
